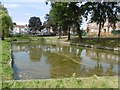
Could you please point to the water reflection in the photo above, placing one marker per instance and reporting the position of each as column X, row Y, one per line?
column 103, row 55
column 57, row 61
column 35, row 52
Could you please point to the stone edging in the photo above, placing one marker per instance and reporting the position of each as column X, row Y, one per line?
column 83, row 45
column 11, row 57
column 97, row 47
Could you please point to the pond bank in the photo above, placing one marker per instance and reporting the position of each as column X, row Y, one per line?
column 88, row 82
column 96, row 47
column 7, row 72
column 104, row 43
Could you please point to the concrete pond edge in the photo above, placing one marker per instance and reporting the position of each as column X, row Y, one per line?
column 96, row 47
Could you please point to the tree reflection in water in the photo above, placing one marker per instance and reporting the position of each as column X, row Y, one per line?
column 35, row 52
column 63, row 61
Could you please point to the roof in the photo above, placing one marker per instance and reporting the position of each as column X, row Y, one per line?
column 21, row 26
column 92, row 25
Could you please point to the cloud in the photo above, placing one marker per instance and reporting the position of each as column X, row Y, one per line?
column 21, row 23
column 11, row 5
column 27, row 14
column 23, row 0
column 30, row 4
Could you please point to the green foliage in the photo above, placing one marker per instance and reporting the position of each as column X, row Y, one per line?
column 48, row 23
column 101, row 12
column 6, row 21
column 84, row 33
column 66, row 15
column 19, row 35
column 35, row 24
column 115, row 32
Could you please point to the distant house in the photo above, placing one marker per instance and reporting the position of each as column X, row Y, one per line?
column 46, row 31
column 93, row 28
column 20, row 29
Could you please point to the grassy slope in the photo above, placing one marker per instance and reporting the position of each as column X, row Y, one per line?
column 90, row 82
column 7, row 73
column 0, row 63
column 91, row 41
column 102, row 42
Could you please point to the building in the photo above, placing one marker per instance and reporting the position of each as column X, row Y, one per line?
column 20, row 29
column 93, row 28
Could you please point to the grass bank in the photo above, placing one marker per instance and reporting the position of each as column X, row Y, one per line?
column 88, row 82
column 105, row 41
column 7, row 72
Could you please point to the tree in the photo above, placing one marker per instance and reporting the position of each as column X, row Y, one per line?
column 35, row 24
column 112, row 13
column 107, row 11
column 48, row 23
column 57, row 15
column 6, row 22
column 75, row 16
column 35, row 48
column 2, row 8
column 14, row 23
column 65, row 15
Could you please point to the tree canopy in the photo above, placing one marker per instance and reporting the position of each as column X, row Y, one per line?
column 35, row 24
column 5, row 22
column 101, row 12
column 65, row 14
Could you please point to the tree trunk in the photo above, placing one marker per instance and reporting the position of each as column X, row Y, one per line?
column 108, row 29
column 79, row 31
column 99, row 31
column 2, row 36
column 68, row 32
column 59, row 30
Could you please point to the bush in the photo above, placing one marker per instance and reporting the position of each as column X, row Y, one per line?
column 42, row 39
column 84, row 33
column 115, row 32
column 18, row 35
column 47, row 35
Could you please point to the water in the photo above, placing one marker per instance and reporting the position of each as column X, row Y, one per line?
column 36, row 60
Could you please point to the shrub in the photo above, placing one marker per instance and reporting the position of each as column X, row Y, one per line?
column 115, row 32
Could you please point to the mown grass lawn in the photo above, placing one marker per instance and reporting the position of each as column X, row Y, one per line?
column 88, row 82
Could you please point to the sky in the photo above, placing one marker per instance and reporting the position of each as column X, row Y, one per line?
column 22, row 10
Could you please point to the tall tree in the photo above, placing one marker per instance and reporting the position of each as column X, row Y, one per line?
column 101, row 12
column 48, row 23
column 5, row 22
column 57, row 15
column 35, row 24
column 65, row 15
column 75, row 16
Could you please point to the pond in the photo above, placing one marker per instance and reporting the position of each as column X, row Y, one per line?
column 36, row 60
